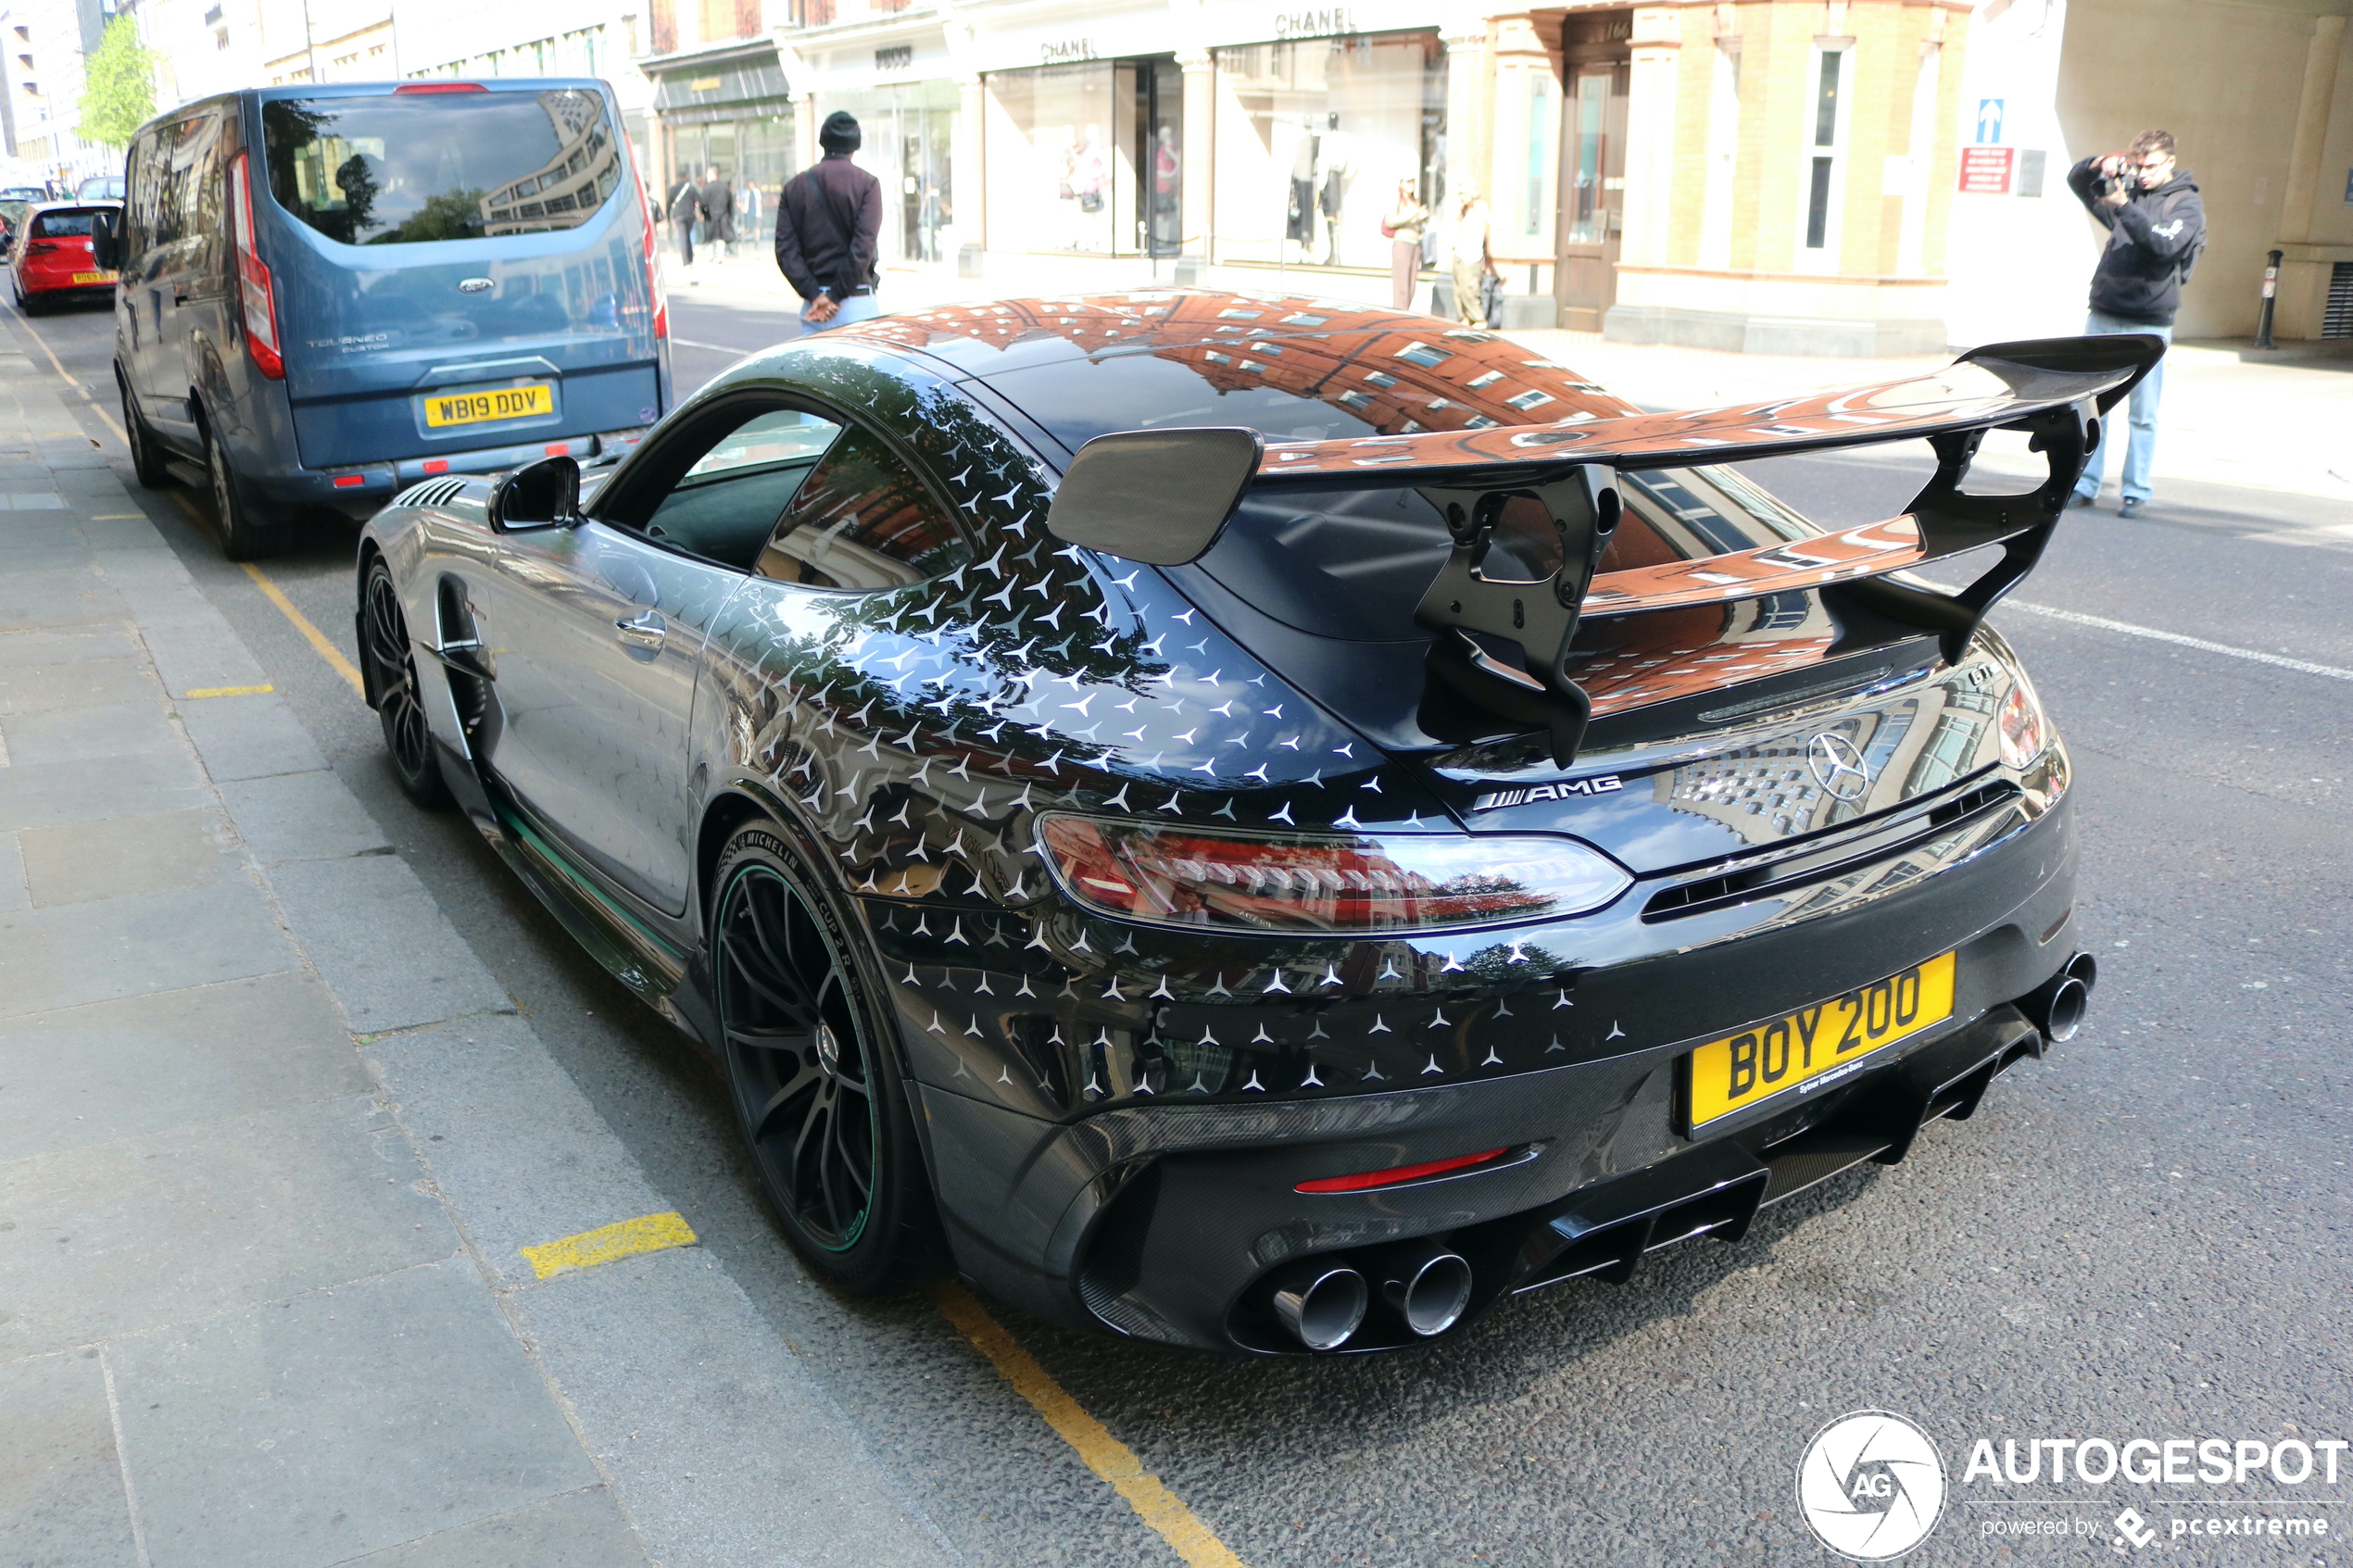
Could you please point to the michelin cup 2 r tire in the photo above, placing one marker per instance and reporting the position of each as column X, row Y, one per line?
column 814, row 1081
column 392, row 675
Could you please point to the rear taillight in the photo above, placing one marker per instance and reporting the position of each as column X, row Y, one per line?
column 253, row 278
column 41, row 247
column 1310, row 883
column 439, row 87
column 653, row 270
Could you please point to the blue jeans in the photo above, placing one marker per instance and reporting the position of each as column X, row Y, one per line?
column 857, row 308
column 2140, row 450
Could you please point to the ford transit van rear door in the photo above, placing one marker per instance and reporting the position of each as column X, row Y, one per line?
column 460, row 270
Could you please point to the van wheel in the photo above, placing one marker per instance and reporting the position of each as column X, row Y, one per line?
column 145, row 464
column 243, row 534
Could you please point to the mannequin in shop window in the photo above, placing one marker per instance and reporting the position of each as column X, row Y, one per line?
column 1338, row 158
column 1168, row 171
column 1299, row 225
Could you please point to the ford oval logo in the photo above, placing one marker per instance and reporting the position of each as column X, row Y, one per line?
column 1838, row 767
column 474, row 285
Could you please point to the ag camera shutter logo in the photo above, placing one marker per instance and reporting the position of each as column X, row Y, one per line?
column 1870, row 1486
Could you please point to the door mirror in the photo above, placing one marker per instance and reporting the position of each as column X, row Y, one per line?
column 542, row 495
column 105, row 240
column 1159, row 497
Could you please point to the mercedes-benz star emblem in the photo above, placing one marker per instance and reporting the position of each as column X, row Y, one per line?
column 828, row 1048
column 1837, row 766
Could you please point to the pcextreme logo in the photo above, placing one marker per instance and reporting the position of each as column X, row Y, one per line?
column 1870, row 1486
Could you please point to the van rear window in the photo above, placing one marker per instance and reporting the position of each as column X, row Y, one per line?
column 405, row 168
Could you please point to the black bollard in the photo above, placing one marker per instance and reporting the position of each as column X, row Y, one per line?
column 2270, row 299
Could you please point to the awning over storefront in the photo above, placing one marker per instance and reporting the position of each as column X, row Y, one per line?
column 719, row 85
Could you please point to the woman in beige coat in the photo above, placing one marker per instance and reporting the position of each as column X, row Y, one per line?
column 1406, row 221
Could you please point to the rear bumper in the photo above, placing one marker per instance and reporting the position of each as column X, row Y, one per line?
column 1166, row 1221
column 358, row 490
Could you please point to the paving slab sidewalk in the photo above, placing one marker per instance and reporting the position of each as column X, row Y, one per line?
column 271, row 1140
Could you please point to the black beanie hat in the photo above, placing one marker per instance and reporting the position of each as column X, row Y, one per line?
column 840, row 132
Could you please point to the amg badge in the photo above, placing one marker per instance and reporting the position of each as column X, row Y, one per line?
column 1603, row 784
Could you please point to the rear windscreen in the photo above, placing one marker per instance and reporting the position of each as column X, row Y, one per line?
column 1352, row 561
column 402, row 168
column 63, row 225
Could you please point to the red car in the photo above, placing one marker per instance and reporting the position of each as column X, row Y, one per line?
column 53, row 263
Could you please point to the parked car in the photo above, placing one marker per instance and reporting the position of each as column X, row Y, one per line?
column 24, row 194
column 1258, row 824
column 54, row 265
column 333, row 290
column 99, row 187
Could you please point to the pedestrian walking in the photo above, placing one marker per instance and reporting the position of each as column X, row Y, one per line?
column 718, row 199
column 683, row 209
column 1404, row 225
column 1473, row 263
column 828, row 218
column 2156, row 224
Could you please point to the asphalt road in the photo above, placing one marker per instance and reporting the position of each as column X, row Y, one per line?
column 2146, row 1235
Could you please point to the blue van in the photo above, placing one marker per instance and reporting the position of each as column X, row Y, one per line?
column 330, row 291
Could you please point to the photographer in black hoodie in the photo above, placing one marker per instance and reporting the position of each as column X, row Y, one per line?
column 2157, row 226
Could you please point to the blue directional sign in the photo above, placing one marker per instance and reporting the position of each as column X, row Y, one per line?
column 1989, row 120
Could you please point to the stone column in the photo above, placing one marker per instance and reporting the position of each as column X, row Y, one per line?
column 1200, row 161
column 1467, row 70
column 1650, row 137
column 968, row 177
column 2303, row 281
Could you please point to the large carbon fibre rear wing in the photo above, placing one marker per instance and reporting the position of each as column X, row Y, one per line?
column 1163, row 496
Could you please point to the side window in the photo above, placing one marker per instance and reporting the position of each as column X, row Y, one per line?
column 138, row 198
column 725, row 503
column 191, row 153
column 863, row 519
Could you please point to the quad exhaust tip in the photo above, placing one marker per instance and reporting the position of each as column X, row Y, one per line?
column 1429, row 1290
column 2058, row 1008
column 1321, row 1304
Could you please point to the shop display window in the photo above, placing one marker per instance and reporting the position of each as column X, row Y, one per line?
column 1313, row 137
column 1057, row 167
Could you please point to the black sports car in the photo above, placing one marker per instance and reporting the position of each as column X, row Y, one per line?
column 1259, row 825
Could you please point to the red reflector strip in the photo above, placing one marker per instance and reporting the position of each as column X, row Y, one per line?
column 440, row 87
column 350, row 481
column 436, row 465
column 559, row 448
column 1366, row 1180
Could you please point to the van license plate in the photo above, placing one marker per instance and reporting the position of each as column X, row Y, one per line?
column 1776, row 1056
column 481, row 408
column 90, row 280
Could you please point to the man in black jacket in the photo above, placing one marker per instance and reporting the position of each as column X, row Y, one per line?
column 2157, row 225
column 828, row 218
column 683, row 209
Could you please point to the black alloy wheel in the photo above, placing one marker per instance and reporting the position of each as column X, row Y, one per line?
column 147, row 464
column 392, row 672
column 819, row 1099
column 245, row 533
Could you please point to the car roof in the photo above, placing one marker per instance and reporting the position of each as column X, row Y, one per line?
column 1081, row 364
column 87, row 203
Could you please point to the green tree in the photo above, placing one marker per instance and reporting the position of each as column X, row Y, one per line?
column 117, row 94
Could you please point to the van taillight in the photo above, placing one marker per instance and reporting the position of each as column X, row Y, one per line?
column 439, row 87
column 653, row 270
column 253, row 279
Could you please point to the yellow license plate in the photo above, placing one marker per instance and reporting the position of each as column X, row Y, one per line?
column 85, row 280
column 480, row 408
column 1804, row 1046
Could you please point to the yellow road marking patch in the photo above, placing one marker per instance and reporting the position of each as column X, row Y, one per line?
column 120, row 517
column 229, row 691
column 1104, row 1454
column 648, row 1233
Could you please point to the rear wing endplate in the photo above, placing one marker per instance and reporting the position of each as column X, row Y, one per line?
column 2059, row 391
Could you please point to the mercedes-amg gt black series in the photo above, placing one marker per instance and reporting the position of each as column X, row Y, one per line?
column 1258, row 824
